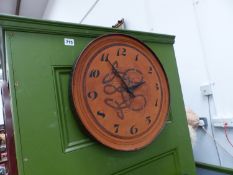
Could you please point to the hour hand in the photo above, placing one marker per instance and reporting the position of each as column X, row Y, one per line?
column 136, row 85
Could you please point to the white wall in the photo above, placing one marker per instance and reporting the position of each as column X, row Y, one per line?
column 215, row 21
column 203, row 49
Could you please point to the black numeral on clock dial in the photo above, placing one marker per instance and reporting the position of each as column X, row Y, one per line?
column 157, row 86
column 121, row 52
column 92, row 95
column 116, row 127
column 133, row 130
column 150, row 70
column 102, row 114
column 148, row 119
column 156, row 102
column 94, row 73
column 104, row 57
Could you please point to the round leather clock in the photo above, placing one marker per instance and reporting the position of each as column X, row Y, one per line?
column 120, row 92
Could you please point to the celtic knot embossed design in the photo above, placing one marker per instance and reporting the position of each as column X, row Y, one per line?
column 132, row 77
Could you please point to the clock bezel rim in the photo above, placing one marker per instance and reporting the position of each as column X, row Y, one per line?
column 112, row 145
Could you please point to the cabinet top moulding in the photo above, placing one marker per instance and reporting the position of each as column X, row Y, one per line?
column 15, row 23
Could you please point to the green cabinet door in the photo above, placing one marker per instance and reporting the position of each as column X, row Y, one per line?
column 49, row 139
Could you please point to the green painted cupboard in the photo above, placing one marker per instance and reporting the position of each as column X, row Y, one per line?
column 48, row 139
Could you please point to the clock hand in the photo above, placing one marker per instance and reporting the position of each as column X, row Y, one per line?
column 136, row 85
column 122, row 79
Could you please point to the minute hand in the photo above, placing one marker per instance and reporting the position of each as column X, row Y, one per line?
column 136, row 85
column 122, row 79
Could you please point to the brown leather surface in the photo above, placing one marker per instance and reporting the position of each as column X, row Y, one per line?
column 120, row 92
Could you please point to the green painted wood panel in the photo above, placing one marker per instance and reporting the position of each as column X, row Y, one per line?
column 49, row 140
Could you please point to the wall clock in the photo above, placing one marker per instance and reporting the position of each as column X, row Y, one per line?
column 120, row 92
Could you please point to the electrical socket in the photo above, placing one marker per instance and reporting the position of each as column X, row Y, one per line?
column 220, row 122
column 203, row 122
column 206, row 89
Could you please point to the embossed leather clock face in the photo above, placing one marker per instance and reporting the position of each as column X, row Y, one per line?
column 120, row 92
